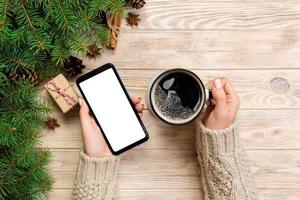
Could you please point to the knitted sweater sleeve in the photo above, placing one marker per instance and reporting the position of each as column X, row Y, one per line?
column 224, row 166
column 96, row 178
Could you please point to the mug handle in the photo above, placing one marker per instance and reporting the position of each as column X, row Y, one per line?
column 208, row 94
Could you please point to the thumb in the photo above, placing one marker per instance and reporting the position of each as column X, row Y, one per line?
column 219, row 94
column 84, row 109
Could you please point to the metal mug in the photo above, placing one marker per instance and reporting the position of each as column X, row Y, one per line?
column 205, row 95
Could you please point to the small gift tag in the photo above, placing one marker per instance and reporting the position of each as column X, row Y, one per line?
column 62, row 92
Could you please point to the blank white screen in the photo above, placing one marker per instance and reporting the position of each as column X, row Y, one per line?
column 112, row 109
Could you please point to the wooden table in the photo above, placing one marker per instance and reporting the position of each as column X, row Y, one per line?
column 253, row 42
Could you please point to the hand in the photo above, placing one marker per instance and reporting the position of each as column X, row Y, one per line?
column 222, row 110
column 94, row 143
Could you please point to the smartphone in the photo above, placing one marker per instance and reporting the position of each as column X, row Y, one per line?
column 112, row 108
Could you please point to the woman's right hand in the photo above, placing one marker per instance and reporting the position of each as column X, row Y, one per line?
column 222, row 110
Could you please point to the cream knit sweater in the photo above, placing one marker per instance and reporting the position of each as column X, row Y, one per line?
column 224, row 170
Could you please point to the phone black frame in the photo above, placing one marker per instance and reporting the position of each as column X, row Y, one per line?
column 98, row 71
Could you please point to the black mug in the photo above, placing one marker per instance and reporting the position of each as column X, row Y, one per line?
column 176, row 96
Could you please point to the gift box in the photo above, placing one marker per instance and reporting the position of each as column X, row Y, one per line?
column 62, row 92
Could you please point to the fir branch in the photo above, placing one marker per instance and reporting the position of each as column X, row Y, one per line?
column 5, row 9
column 64, row 18
column 12, row 93
column 63, row 14
column 16, row 61
column 50, row 7
column 3, row 78
column 43, row 155
column 30, row 23
column 27, row 142
column 8, row 168
column 97, row 6
column 116, row 7
column 38, row 35
column 42, row 189
column 60, row 52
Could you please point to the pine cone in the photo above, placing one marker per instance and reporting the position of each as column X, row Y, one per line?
column 137, row 4
column 73, row 66
column 24, row 74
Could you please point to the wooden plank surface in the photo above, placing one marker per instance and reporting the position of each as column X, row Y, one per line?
column 190, row 194
column 257, row 89
column 228, row 14
column 284, row 134
column 178, row 169
column 255, row 43
column 205, row 49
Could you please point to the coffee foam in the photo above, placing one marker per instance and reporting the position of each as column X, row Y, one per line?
column 169, row 107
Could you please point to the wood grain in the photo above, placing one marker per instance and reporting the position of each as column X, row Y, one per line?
column 255, row 43
column 272, row 131
column 267, row 104
column 237, row 49
column 140, row 194
column 178, row 169
column 229, row 14
column 254, row 87
column 190, row 194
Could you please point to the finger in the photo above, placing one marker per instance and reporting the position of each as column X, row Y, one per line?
column 85, row 118
column 213, row 102
column 136, row 99
column 210, row 102
column 139, row 107
column 84, row 110
column 229, row 90
column 219, row 94
column 209, row 84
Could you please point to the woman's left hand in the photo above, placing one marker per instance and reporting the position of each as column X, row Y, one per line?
column 94, row 143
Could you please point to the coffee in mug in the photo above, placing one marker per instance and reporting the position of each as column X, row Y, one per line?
column 176, row 96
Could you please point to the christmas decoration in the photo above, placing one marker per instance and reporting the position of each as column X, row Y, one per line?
column 62, row 92
column 23, row 173
column 113, row 23
column 132, row 19
column 39, row 34
column 51, row 123
column 137, row 4
column 36, row 41
column 94, row 51
column 24, row 74
column 73, row 66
